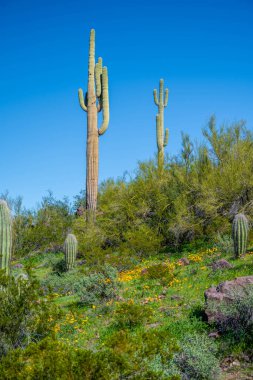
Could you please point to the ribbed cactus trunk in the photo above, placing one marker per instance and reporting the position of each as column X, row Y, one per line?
column 240, row 230
column 97, row 91
column 162, row 140
column 70, row 250
column 5, row 237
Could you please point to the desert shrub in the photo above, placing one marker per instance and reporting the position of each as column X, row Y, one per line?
column 224, row 244
column 98, row 287
column 130, row 315
column 236, row 317
column 122, row 259
column 45, row 228
column 91, row 238
column 148, row 352
column 24, row 315
column 196, row 359
column 164, row 272
column 142, row 240
column 60, row 282
column 52, row 359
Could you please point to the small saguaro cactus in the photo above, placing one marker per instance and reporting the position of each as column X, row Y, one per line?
column 240, row 230
column 162, row 140
column 5, row 236
column 70, row 250
column 95, row 100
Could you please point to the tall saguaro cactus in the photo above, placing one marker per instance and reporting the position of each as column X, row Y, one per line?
column 70, row 250
column 162, row 140
column 95, row 100
column 240, row 230
column 5, row 236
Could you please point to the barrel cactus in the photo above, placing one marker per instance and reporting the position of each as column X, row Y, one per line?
column 5, row 236
column 240, row 230
column 70, row 250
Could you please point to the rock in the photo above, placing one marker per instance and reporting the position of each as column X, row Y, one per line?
column 183, row 261
column 18, row 266
column 175, row 297
column 221, row 264
column 224, row 292
column 214, row 334
column 153, row 325
column 82, row 262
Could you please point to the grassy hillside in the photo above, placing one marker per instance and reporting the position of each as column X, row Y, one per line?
column 158, row 303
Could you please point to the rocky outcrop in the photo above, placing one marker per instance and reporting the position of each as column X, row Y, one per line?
column 221, row 264
column 225, row 292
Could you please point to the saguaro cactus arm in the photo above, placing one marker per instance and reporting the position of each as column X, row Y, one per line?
column 98, row 74
column 155, row 97
column 105, row 102
column 81, row 100
column 166, row 137
column 166, row 97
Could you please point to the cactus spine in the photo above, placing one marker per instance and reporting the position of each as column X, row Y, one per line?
column 70, row 250
column 240, row 230
column 162, row 140
column 5, row 236
column 96, row 99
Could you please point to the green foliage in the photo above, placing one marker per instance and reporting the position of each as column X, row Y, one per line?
column 224, row 244
column 149, row 353
column 46, row 228
column 60, row 282
column 130, row 315
column 98, row 287
column 196, row 359
column 24, row 315
column 70, row 250
column 52, row 359
column 240, row 234
column 160, row 271
column 142, row 241
column 5, row 236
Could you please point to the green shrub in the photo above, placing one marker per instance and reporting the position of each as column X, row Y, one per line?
column 196, row 359
column 149, row 352
column 160, row 271
column 54, row 360
column 224, row 244
column 24, row 315
column 44, row 229
column 98, row 287
column 130, row 315
column 142, row 240
column 60, row 282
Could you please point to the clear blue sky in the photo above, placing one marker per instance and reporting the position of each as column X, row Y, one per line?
column 202, row 48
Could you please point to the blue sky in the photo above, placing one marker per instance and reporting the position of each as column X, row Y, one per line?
column 203, row 50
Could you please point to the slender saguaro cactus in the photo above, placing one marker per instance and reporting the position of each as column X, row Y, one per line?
column 96, row 99
column 5, row 236
column 240, row 230
column 70, row 250
column 162, row 140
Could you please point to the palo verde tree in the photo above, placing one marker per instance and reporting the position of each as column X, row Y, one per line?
column 162, row 140
column 95, row 100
